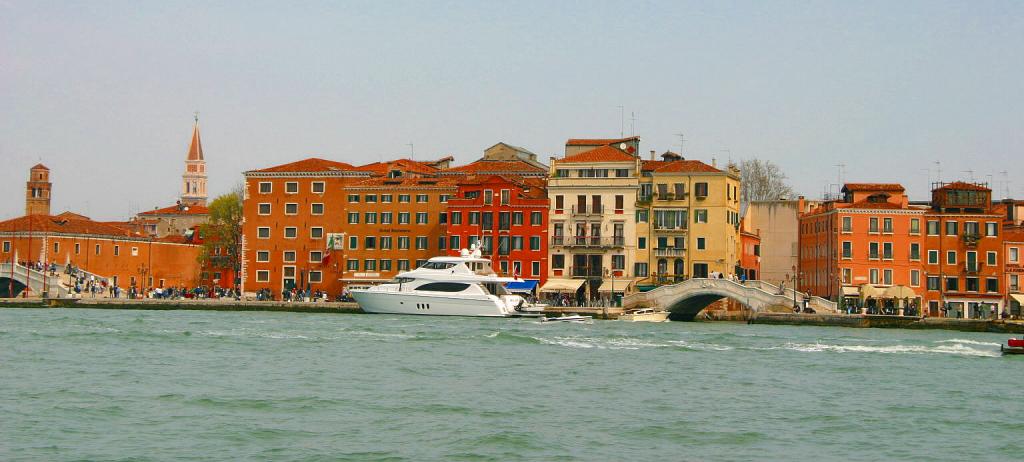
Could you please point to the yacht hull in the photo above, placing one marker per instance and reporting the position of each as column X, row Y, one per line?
column 424, row 304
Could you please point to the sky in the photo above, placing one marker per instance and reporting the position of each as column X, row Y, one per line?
column 104, row 92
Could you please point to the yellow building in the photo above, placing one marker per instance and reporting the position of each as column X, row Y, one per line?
column 592, row 219
column 688, row 211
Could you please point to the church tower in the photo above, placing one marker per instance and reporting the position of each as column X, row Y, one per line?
column 37, row 191
column 193, row 182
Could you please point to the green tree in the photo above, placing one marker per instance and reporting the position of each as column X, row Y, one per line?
column 222, row 234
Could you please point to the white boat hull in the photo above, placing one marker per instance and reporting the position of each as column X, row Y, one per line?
column 434, row 305
column 657, row 316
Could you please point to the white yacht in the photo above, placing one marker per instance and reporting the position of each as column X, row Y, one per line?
column 447, row 286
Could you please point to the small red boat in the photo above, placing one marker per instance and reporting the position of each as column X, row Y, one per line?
column 1013, row 346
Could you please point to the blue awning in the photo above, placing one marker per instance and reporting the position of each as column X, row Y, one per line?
column 521, row 286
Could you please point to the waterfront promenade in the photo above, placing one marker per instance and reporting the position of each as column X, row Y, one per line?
column 607, row 313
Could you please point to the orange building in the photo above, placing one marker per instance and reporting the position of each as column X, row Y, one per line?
column 861, row 245
column 288, row 212
column 1013, row 258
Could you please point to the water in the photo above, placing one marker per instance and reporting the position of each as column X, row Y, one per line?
column 185, row 385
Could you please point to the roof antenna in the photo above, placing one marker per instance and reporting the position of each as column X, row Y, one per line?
column 682, row 139
column 412, row 152
column 632, row 123
column 1006, row 184
column 938, row 172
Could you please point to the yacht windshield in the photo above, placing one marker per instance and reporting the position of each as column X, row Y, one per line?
column 437, row 265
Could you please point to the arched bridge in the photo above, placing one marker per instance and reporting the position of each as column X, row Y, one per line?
column 685, row 299
column 14, row 278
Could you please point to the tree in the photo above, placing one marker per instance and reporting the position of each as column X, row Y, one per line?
column 222, row 234
column 762, row 180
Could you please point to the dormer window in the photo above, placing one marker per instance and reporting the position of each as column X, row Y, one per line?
column 878, row 198
column 394, row 173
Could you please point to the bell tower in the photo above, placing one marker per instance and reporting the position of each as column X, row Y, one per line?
column 193, row 182
column 37, row 191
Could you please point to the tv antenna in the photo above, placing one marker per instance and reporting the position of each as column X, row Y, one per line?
column 682, row 140
column 412, row 151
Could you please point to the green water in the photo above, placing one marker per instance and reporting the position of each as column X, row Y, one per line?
column 186, row 385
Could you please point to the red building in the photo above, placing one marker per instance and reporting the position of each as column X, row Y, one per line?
column 508, row 215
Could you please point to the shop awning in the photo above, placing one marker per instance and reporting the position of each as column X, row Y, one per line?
column 620, row 285
column 562, row 285
column 1018, row 297
column 899, row 292
column 526, row 286
column 850, row 291
column 868, row 290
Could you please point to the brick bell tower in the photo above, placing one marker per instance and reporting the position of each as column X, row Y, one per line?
column 193, row 182
column 37, row 191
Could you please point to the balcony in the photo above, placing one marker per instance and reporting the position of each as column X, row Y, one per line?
column 592, row 210
column 590, row 241
column 586, row 271
column 670, row 228
column 669, row 252
column 970, row 240
column 972, row 268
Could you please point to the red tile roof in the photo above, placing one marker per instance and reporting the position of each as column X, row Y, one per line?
column 598, row 142
column 195, row 148
column 496, row 167
column 57, row 224
column 963, row 186
column 312, row 164
column 179, row 210
column 405, row 165
column 39, row 167
column 895, row 187
column 874, row 205
column 684, row 166
column 601, row 154
column 405, row 183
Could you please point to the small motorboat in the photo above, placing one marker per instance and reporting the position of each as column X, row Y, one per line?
column 644, row 314
column 569, row 318
column 1013, row 346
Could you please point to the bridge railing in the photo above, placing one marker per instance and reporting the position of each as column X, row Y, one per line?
column 762, row 290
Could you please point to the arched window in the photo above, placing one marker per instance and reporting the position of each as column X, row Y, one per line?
column 678, row 267
column 662, row 266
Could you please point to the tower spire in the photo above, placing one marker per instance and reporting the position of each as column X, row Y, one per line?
column 193, row 182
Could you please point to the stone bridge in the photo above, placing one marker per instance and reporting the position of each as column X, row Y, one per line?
column 14, row 278
column 685, row 299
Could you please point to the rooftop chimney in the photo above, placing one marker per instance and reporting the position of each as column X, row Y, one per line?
column 652, row 154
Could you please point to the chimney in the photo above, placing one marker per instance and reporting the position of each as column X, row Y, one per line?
column 714, row 162
column 652, row 154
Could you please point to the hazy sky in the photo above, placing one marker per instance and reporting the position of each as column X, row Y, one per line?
column 103, row 92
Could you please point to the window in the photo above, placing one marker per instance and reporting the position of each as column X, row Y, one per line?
column 915, row 251
column 887, row 277
column 456, row 218
column 442, row 243
column 78, row 248
column 56, row 247
column 316, row 209
column 353, row 198
column 403, row 265
column 291, row 209
column 643, row 215
column 619, row 202
column 505, row 196
column 262, row 256
column 847, row 224
column 933, row 282
column 404, row 199
column 370, row 218
column 443, row 287
column 700, row 190
column 421, row 243
column 317, row 187
column 873, row 276
column 352, row 265
column 117, row 250
column 403, row 242
column 421, row 198
column 559, row 203
column 991, row 229
column 1014, row 254
column 263, row 276
column 990, row 258
column 261, row 233
column 291, row 232
column 517, row 218
column 535, row 268
column 915, row 226
column 291, row 187
column 371, row 198
column 386, row 198
column 385, row 218
column 453, row 242
column 887, row 225
column 353, row 218
column 288, row 256
column 700, row 216
column 444, row 198
column 504, row 221
column 558, row 261
column 873, row 225
column 641, row 243
column 353, row 242
column 700, row 243
column 263, row 209
column 933, row 257
column 385, row 242
column 933, row 227
column 873, row 251
column 385, row 265
column 887, row 250
column 618, row 262
column 534, row 242
column 640, row 270
column 487, row 220
column 971, row 284
column 621, row 172
column 370, row 265
column 536, row 218
column 316, row 276
column 266, row 187
column 847, row 249
column 1014, row 282
column 503, row 245
column 474, row 218
column 847, row 275
column 952, row 284
column 421, row 218
column 951, row 228
column 370, row 242
column 991, row 285
column 403, row 218
column 517, row 242
column 950, row 257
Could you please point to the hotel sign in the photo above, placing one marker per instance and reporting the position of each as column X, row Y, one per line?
column 1015, row 268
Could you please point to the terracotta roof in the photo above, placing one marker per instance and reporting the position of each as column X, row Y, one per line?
column 601, row 154
column 496, row 167
column 598, row 142
column 72, row 215
column 405, row 183
column 312, row 164
column 179, row 210
column 684, row 166
column 56, row 224
column 195, row 148
column 963, row 186
column 405, row 165
column 40, row 167
column 873, row 205
column 895, row 187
